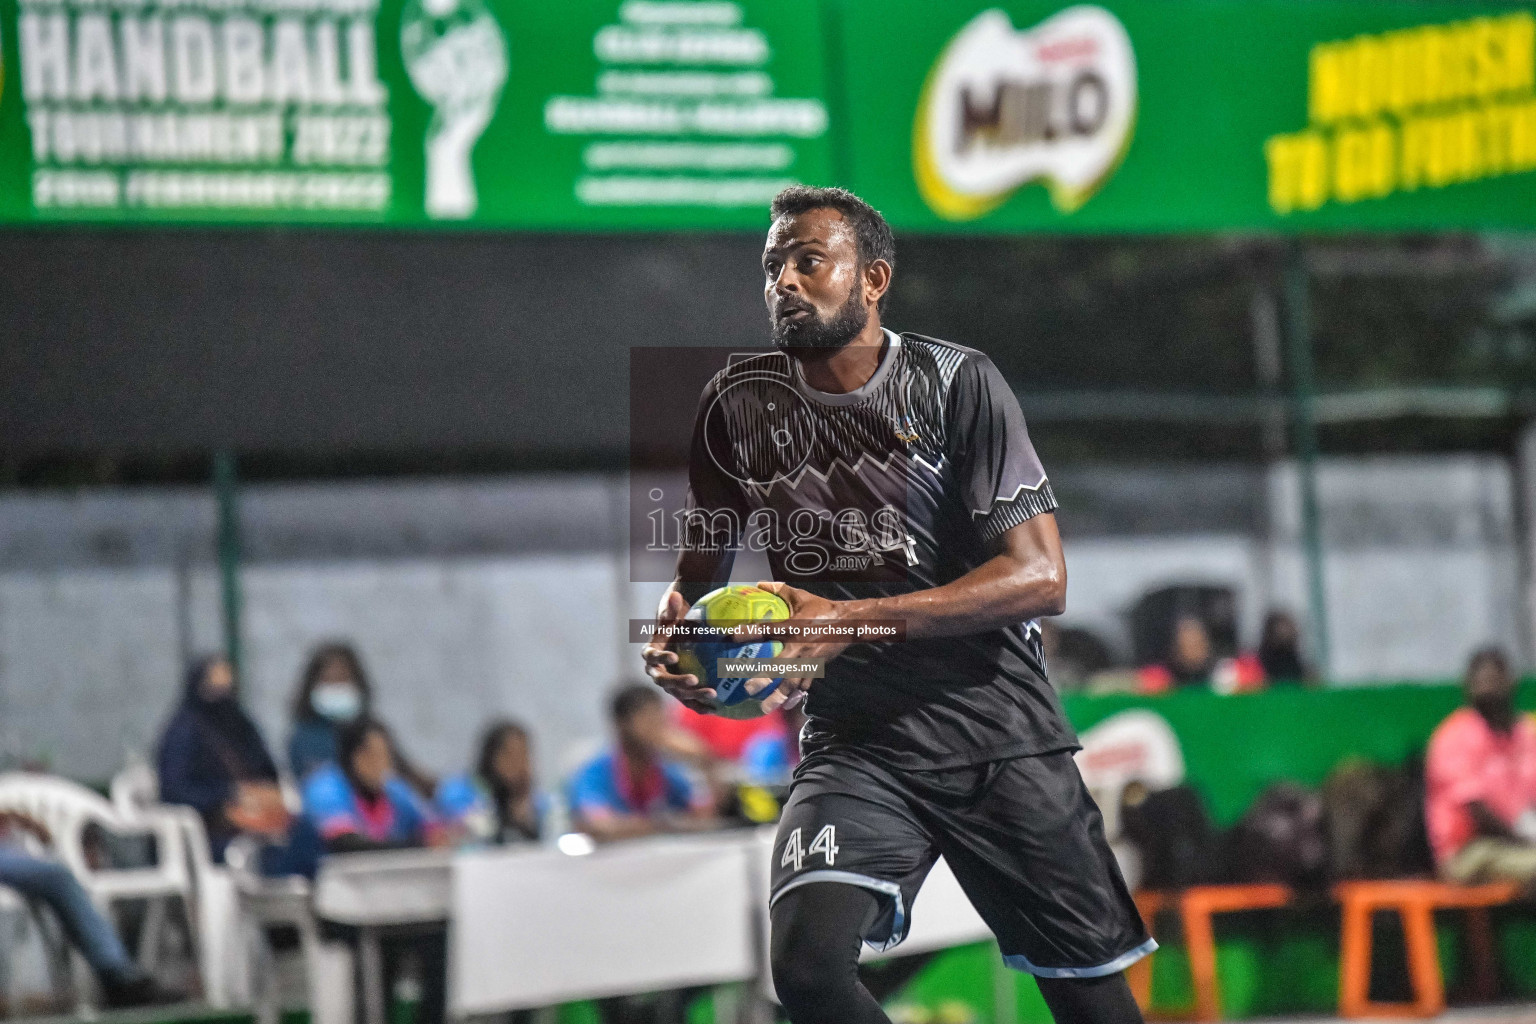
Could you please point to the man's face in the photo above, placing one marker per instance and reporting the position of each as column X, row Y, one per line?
column 645, row 728
column 812, row 281
column 1490, row 689
column 1191, row 644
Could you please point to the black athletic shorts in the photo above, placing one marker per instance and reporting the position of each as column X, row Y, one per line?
column 1022, row 836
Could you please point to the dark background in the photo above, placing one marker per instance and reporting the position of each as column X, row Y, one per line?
column 132, row 355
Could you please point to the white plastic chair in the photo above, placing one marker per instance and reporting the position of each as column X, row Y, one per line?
column 226, row 976
column 135, row 788
column 265, row 902
column 66, row 809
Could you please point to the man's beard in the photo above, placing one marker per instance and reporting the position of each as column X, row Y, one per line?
column 812, row 333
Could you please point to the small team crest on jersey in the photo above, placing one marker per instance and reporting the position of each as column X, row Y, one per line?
column 906, row 433
column 1003, row 107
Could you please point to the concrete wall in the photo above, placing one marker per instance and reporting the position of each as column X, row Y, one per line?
column 488, row 597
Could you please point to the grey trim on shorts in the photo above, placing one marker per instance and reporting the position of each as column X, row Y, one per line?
column 1019, row 962
column 891, row 889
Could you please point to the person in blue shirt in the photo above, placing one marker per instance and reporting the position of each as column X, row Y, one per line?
column 358, row 803
column 769, row 758
column 497, row 802
column 631, row 790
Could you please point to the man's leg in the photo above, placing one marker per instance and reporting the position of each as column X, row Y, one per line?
column 54, row 885
column 1026, row 843
column 817, row 931
column 1105, row 1000
column 1493, row 860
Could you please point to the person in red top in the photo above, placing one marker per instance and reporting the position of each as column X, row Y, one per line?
column 1480, row 775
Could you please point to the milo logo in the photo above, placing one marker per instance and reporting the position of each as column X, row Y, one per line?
column 1004, row 107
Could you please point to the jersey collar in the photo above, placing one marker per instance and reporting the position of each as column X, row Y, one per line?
column 863, row 391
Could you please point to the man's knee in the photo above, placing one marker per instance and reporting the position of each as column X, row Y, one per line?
column 797, row 979
column 36, row 877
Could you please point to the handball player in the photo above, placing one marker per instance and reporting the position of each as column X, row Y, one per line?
column 902, row 465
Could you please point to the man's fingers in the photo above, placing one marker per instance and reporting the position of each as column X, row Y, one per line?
column 655, row 655
column 777, row 699
column 758, row 684
column 679, row 686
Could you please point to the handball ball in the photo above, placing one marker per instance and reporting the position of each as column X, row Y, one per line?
column 725, row 609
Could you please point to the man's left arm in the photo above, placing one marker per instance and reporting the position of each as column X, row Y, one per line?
column 1025, row 578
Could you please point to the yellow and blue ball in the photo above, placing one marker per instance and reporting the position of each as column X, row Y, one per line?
column 724, row 609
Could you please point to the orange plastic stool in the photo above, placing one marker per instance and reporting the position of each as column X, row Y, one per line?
column 1415, row 902
column 1197, row 906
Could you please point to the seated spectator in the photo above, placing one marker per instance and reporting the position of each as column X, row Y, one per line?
column 497, row 802
column 1280, row 651
column 123, row 982
column 1480, row 782
column 213, row 759
column 632, row 790
column 723, row 739
column 1191, row 662
column 358, row 803
column 334, row 691
column 770, row 757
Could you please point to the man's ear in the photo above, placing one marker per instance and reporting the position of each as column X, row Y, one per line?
column 877, row 280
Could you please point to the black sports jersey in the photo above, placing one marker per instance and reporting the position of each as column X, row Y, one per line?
column 894, row 487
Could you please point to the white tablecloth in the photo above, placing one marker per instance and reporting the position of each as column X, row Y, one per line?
column 535, row 927
column 538, row 927
column 386, row 888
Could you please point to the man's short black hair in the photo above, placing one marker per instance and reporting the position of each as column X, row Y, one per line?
column 873, row 234
column 1491, row 656
column 630, row 699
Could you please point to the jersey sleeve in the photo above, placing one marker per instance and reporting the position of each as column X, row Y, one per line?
column 716, row 509
column 1000, row 477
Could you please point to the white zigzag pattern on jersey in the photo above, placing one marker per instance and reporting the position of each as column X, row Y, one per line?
column 1012, row 497
column 883, row 466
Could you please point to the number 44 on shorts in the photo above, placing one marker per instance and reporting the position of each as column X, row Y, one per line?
column 825, row 844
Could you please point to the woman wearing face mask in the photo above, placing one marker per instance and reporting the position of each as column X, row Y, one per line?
column 333, row 693
column 212, row 758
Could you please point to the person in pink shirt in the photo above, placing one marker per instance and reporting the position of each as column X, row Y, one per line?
column 1480, row 775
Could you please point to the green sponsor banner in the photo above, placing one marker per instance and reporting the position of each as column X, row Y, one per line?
column 1143, row 115
column 1139, row 115
column 579, row 114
